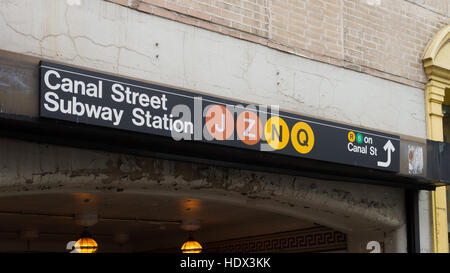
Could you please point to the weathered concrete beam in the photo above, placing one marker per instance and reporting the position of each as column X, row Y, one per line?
column 31, row 168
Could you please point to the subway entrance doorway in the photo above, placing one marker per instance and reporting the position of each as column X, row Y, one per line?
column 51, row 194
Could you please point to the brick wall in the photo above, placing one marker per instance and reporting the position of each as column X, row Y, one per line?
column 390, row 37
column 385, row 38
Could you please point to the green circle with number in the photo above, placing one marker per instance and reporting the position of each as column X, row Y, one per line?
column 359, row 138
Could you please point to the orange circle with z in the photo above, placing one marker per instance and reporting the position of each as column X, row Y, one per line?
column 249, row 127
column 219, row 122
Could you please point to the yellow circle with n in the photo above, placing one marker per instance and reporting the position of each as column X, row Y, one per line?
column 276, row 132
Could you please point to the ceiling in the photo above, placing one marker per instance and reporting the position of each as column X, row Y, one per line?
column 158, row 225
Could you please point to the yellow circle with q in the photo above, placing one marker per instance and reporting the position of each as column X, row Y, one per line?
column 351, row 136
column 276, row 132
column 302, row 137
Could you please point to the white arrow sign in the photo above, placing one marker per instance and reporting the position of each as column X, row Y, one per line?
column 389, row 147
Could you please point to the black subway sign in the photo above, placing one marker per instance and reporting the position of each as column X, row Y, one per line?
column 79, row 95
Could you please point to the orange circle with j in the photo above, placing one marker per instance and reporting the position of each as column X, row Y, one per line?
column 219, row 122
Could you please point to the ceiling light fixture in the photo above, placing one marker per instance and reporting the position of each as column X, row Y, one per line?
column 86, row 244
column 191, row 246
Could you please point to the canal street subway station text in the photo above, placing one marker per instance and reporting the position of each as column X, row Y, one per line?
column 119, row 93
column 135, row 106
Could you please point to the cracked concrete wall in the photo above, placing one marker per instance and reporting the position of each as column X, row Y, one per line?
column 117, row 39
